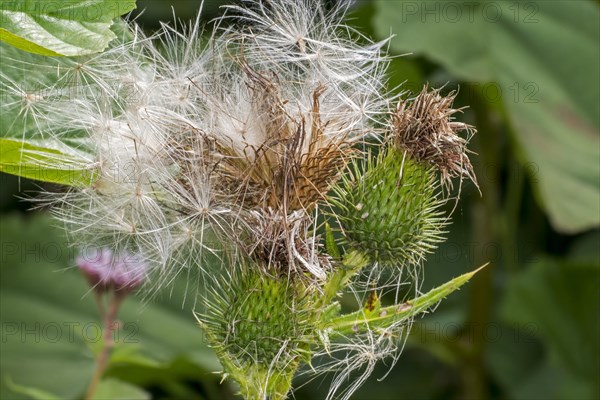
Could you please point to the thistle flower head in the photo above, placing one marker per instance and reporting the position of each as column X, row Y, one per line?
column 105, row 270
column 262, row 328
column 425, row 128
column 391, row 211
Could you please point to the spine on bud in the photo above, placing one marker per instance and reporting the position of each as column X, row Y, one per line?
column 261, row 329
column 389, row 208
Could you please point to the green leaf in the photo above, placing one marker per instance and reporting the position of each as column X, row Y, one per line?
column 29, row 146
column 48, row 317
column 179, row 379
column 559, row 302
column 360, row 320
column 33, row 145
column 131, row 354
column 402, row 71
column 43, row 164
column 513, row 357
column 330, row 244
column 30, row 392
column 586, row 249
column 545, row 58
column 114, row 389
column 31, row 88
column 60, row 28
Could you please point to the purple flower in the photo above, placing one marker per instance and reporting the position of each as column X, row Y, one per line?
column 95, row 265
column 129, row 272
column 105, row 269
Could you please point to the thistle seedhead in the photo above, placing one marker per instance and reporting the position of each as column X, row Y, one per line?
column 283, row 153
column 192, row 140
column 425, row 128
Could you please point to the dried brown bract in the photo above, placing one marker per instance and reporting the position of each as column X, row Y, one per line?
column 425, row 128
column 284, row 243
column 290, row 163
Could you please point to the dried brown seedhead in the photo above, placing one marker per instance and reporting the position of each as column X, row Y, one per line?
column 425, row 128
column 292, row 162
column 272, row 171
column 284, row 243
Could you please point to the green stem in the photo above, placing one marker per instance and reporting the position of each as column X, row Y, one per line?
column 512, row 205
column 256, row 381
column 486, row 230
column 351, row 265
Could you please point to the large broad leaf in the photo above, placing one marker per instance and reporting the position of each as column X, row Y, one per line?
column 50, row 326
column 60, row 28
column 114, row 389
column 29, row 145
column 545, row 57
column 559, row 302
column 32, row 88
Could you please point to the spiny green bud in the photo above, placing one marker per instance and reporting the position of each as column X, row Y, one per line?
column 390, row 209
column 262, row 327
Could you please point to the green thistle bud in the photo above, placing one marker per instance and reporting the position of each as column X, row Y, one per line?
column 262, row 328
column 390, row 209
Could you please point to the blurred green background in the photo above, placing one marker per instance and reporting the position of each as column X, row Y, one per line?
column 527, row 327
